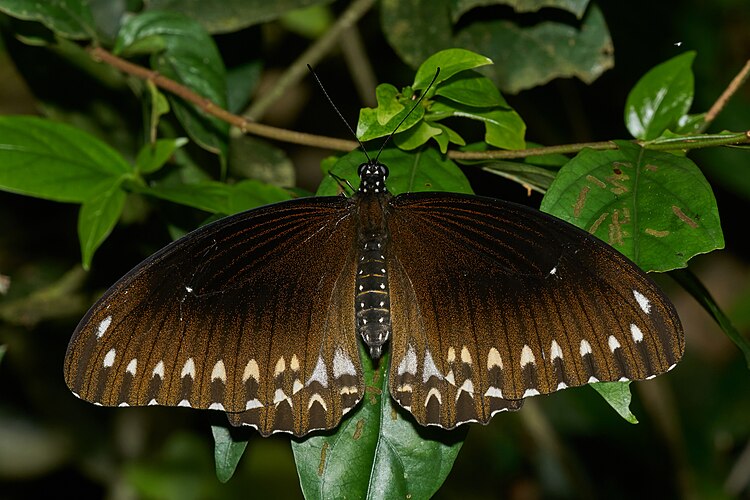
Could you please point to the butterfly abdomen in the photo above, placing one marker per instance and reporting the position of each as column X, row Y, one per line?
column 372, row 302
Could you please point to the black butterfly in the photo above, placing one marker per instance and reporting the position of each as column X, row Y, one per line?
column 481, row 302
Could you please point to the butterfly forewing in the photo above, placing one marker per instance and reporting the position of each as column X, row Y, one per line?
column 252, row 315
column 493, row 302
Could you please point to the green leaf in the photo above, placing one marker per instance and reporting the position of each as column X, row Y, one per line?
column 416, row 136
column 251, row 193
column 694, row 287
column 228, row 16
column 153, row 156
column 657, row 208
column 472, row 89
column 617, row 394
column 210, row 196
column 576, row 7
column 409, row 172
column 387, row 97
column 503, row 128
column 529, row 56
column 97, row 218
column 529, row 176
column 55, row 161
column 67, row 18
column 182, row 51
column 376, row 449
column 227, row 452
column 661, row 98
column 524, row 56
column 311, row 22
column 447, row 135
column 450, row 62
column 369, row 126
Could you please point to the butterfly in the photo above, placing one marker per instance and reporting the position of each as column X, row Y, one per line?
column 480, row 302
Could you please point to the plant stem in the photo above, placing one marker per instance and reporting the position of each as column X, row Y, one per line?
column 311, row 56
column 335, row 144
column 723, row 99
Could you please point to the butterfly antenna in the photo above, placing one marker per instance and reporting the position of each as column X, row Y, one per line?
column 437, row 72
column 320, row 84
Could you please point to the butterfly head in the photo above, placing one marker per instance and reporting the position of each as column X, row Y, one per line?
column 372, row 175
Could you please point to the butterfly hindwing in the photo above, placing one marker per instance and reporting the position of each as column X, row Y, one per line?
column 493, row 302
column 224, row 319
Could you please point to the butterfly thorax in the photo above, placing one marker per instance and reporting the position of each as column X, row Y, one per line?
column 372, row 300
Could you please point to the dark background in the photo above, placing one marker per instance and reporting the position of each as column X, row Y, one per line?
column 692, row 440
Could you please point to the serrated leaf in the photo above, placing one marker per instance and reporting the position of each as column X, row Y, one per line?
column 377, row 451
column 67, row 18
column 54, row 161
column 617, row 394
column 660, row 98
column 471, row 89
column 153, row 156
column 227, row 452
column 450, row 62
column 409, row 172
column 656, row 208
column 96, row 219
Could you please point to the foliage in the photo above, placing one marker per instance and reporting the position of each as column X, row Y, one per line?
column 154, row 141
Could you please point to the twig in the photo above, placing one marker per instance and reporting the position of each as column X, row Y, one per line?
column 723, row 99
column 311, row 56
column 209, row 107
column 335, row 144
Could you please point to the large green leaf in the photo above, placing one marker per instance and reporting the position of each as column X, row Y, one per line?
column 661, row 98
column 409, row 171
column 377, row 451
column 504, row 128
column 451, row 62
column 67, row 18
column 55, row 161
column 657, row 208
column 182, row 51
column 225, row 16
column 524, row 56
column 97, row 218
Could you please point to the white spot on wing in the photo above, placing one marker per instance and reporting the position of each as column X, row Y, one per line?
column 585, row 348
column 102, row 328
column 216, row 406
column 317, row 397
column 465, row 356
column 251, row 371
column 494, row 359
column 152, row 402
column 429, row 369
column 279, row 396
column 613, row 343
column 184, row 403
column 636, row 333
column 280, row 366
column 342, row 365
column 592, row 380
column 494, row 392
column 253, row 403
column 409, row 363
column 527, row 356
column 319, row 374
column 530, row 392
column 132, row 367
column 434, row 393
column 219, row 372
column 109, row 358
column 467, row 386
column 158, row 370
column 188, row 369
column 642, row 301
column 555, row 351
